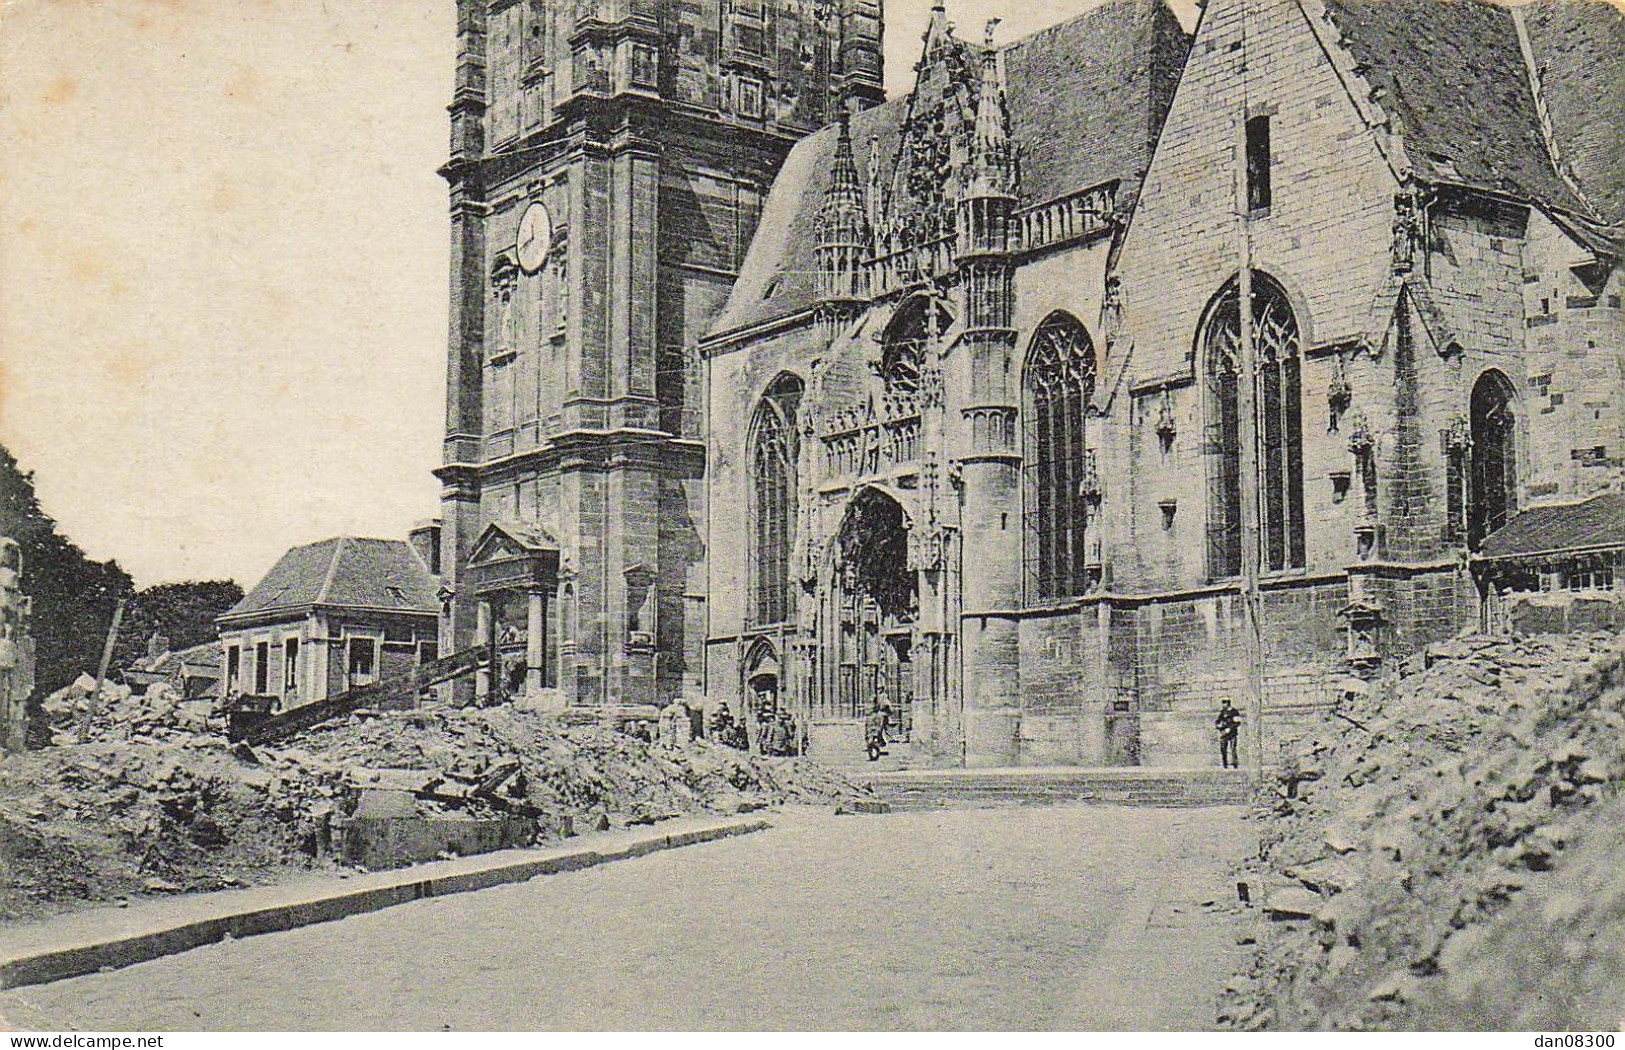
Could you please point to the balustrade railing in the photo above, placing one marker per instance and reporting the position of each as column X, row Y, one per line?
column 872, row 446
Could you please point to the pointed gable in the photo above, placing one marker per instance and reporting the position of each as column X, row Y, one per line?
column 1085, row 101
column 513, row 555
column 506, row 539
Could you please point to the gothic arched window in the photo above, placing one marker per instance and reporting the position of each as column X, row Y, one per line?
column 774, row 447
column 1493, row 496
column 910, row 336
column 1060, row 380
column 1280, row 430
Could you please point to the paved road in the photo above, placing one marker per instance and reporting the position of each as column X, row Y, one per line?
column 1066, row 918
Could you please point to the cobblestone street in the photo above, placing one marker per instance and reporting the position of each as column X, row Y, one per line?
column 1085, row 917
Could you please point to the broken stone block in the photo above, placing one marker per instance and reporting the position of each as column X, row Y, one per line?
column 1292, row 904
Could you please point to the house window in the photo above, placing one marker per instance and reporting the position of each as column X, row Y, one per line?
column 290, row 666
column 1275, row 348
column 234, row 668
column 1493, row 494
column 428, row 652
column 773, row 451
column 1258, row 163
column 262, row 668
column 363, row 661
column 1060, row 380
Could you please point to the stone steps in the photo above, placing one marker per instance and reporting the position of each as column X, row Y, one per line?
column 939, row 789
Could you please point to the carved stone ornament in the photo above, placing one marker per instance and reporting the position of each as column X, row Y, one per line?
column 1361, row 441
column 928, row 548
column 1111, row 308
column 1339, row 395
column 1458, row 436
column 1364, row 619
column 1167, row 427
column 812, row 557
column 932, row 388
column 1090, row 487
column 1407, row 230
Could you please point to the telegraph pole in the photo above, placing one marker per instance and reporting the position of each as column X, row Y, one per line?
column 1247, row 411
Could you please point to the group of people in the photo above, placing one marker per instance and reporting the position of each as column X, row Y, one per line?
column 777, row 732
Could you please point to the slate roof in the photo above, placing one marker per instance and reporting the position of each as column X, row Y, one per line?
column 345, row 573
column 1086, row 100
column 1451, row 76
column 1597, row 522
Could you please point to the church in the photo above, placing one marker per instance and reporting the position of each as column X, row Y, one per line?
column 766, row 391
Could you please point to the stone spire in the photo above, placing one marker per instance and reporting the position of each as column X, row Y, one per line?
column 843, row 225
column 993, row 166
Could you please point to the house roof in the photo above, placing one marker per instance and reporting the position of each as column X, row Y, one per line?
column 1451, row 76
column 1596, row 522
column 343, row 572
column 1086, row 99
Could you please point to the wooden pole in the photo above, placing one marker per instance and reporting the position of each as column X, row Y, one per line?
column 1247, row 410
column 94, row 700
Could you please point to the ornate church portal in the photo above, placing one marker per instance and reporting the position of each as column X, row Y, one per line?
column 869, row 609
column 873, row 645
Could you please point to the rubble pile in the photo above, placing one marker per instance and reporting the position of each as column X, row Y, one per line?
column 119, row 712
column 1445, row 855
column 156, row 800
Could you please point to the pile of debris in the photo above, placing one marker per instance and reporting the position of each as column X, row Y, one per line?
column 155, row 799
column 78, row 712
column 1447, row 855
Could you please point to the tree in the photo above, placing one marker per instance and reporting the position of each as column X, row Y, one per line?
column 73, row 595
column 182, row 614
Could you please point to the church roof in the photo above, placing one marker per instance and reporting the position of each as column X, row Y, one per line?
column 343, row 572
column 1452, row 78
column 1596, row 522
column 1579, row 52
column 1086, row 99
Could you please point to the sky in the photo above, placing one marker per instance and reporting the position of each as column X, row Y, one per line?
column 223, row 264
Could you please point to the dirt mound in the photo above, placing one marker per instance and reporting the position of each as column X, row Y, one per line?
column 1446, row 855
column 146, row 806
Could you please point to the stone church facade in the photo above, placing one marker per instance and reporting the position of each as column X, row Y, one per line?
column 986, row 396
column 979, row 428
column 608, row 163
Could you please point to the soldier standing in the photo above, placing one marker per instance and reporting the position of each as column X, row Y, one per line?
column 1229, row 726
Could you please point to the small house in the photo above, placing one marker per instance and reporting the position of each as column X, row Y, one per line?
column 330, row 617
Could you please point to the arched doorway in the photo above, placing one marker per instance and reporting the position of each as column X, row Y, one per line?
column 1493, row 496
column 870, row 607
column 762, row 676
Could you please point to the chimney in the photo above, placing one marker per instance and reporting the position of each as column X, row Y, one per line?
column 425, row 541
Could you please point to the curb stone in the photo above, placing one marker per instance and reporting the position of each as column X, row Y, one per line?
column 46, row 963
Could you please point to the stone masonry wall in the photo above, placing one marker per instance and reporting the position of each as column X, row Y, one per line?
column 1325, row 239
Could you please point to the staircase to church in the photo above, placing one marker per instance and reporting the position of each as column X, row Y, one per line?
column 917, row 789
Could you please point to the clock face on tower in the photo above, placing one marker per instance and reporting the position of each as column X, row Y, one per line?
column 535, row 237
